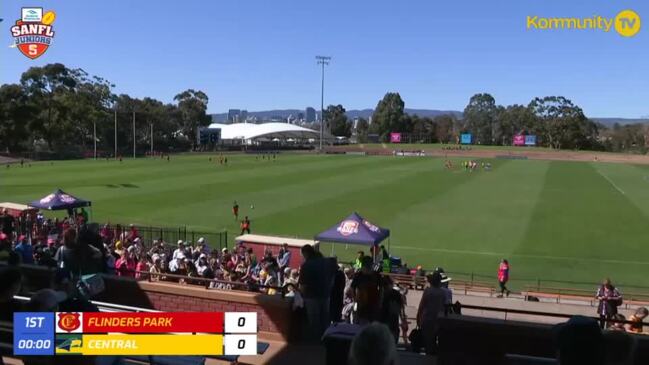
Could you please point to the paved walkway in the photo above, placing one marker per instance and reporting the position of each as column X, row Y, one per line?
column 573, row 307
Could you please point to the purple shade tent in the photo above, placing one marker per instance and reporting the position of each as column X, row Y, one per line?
column 59, row 200
column 354, row 230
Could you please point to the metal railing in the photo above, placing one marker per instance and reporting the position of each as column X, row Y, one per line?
column 171, row 235
column 507, row 311
column 204, row 282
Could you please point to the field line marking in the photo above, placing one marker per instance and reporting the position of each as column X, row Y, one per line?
column 502, row 255
column 610, row 182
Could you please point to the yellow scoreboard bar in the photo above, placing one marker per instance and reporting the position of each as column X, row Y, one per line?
column 118, row 344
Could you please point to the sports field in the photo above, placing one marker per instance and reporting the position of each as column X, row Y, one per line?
column 569, row 221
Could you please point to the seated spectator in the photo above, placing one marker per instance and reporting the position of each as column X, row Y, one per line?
column 46, row 300
column 201, row 264
column 373, row 345
column 10, row 284
column 141, row 268
column 579, row 341
column 638, row 317
column 617, row 326
column 126, row 265
column 156, row 269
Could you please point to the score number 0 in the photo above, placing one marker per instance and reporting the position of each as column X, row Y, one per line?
column 240, row 333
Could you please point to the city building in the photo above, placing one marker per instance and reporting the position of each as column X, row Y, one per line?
column 310, row 115
column 234, row 115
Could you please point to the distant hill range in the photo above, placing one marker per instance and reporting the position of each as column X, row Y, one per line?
column 609, row 122
column 366, row 113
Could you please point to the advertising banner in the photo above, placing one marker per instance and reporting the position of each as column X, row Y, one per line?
column 395, row 137
column 530, row 140
column 519, row 140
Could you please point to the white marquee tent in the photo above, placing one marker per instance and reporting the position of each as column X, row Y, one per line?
column 250, row 132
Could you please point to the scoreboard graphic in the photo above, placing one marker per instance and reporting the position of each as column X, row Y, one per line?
column 174, row 333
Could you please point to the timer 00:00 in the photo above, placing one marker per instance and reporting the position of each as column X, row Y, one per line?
column 31, row 344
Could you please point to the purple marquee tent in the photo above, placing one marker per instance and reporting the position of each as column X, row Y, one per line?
column 59, row 200
column 354, row 230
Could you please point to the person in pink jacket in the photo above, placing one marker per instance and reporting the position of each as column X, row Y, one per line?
column 503, row 277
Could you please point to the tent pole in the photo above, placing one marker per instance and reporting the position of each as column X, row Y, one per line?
column 332, row 249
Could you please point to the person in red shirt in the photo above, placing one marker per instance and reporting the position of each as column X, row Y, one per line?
column 503, row 277
column 245, row 225
column 133, row 234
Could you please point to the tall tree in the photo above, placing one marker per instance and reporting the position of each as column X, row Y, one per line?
column 48, row 88
column 15, row 111
column 336, row 121
column 362, row 129
column 515, row 119
column 423, row 129
column 389, row 116
column 564, row 124
column 444, row 127
column 480, row 117
column 192, row 105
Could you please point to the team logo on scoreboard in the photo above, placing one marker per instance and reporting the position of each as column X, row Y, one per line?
column 69, row 323
column 33, row 32
column 69, row 344
column 348, row 228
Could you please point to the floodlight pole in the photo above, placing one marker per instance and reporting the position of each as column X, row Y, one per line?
column 94, row 135
column 322, row 60
column 151, row 139
column 115, row 155
column 133, row 133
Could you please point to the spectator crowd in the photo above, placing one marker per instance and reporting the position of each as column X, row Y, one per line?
column 323, row 291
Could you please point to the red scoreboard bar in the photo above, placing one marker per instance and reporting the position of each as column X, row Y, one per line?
column 188, row 322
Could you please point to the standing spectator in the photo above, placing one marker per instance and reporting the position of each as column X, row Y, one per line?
column 609, row 299
column 8, row 224
column 25, row 250
column 445, row 280
column 284, row 257
column 368, row 292
column 316, row 276
column 245, row 225
column 637, row 318
column 337, row 293
column 76, row 257
column 393, row 308
column 503, row 277
column 359, row 260
column 430, row 307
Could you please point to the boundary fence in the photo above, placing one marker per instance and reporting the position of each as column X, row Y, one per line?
column 216, row 240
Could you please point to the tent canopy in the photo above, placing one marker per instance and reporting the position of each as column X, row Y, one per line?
column 354, row 230
column 59, row 200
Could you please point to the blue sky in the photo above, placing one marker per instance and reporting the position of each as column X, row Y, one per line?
column 260, row 54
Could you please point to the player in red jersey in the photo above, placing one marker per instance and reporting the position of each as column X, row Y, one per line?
column 235, row 210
